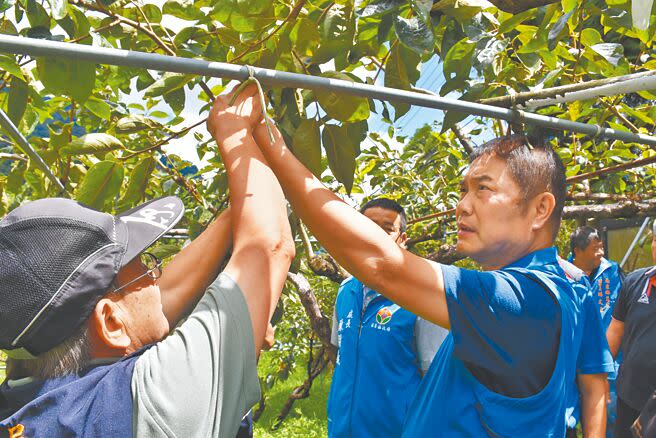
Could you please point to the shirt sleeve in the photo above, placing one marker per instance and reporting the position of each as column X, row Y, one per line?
column 428, row 337
column 201, row 379
column 622, row 303
column 334, row 334
column 594, row 355
column 500, row 323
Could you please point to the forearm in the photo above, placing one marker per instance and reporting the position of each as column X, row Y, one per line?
column 357, row 243
column 592, row 388
column 614, row 335
column 263, row 246
column 192, row 270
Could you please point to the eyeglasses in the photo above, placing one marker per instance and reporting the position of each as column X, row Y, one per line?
column 153, row 270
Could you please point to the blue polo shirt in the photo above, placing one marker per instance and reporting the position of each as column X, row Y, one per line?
column 506, row 367
column 606, row 284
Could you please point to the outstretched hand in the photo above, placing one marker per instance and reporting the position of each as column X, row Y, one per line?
column 240, row 118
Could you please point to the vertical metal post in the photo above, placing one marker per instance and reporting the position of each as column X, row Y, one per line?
column 27, row 148
column 635, row 241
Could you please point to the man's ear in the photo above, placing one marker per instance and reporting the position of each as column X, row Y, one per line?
column 109, row 334
column 543, row 205
column 403, row 239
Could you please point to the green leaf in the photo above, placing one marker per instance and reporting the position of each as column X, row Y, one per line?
column 590, row 37
column 58, row 8
column 611, row 52
column 341, row 107
column 401, row 72
column 457, row 62
column 183, row 9
column 9, row 64
column 176, row 100
column 515, row 20
column 167, row 83
column 94, row 143
column 101, row 184
column 341, row 151
column 134, row 123
column 68, row 77
column 336, row 32
column 137, row 183
column 98, row 107
column 17, row 100
column 414, row 33
column 152, row 12
column 380, row 7
column 422, row 8
column 37, row 15
column 306, row 145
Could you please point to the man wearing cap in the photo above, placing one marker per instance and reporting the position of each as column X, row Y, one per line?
column 85, row 326
column 504, row 368
column 633, row 330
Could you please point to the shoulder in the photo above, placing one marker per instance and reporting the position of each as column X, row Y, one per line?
column 571, row 271
column 639, row 275
column 349, row 282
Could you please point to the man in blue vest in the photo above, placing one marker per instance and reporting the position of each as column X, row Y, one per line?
column 514, row 338
column 383, row 350
column 587, row 253
column 85, row 325
column 588, row 392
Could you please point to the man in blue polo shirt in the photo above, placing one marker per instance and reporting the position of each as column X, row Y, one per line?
column 587, row 253
column 588, row 393
column 514, row 338
column 383, row 350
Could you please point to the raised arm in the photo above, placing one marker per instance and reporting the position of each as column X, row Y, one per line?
column 263, row 248
column 356, row 242
column 187, row 276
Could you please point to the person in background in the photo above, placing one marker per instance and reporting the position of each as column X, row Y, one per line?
column 632, row 331
column 383, row 349
column 588, row 392
column 587, row 253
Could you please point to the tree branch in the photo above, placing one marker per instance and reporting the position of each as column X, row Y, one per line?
column 289, row 18
column 464, row 140
column 319, row 322
column 521, row 98
column 612, row 169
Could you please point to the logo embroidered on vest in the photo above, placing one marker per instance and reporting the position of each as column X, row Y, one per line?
column 13, row 432
column 383, row 316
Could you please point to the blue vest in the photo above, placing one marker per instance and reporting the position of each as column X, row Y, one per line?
column 97, row 403
column 377, row 371
column 452, row 403
column 606, row 285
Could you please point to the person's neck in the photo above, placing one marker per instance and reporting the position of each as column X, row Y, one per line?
column 584, row 265
column 536, row 245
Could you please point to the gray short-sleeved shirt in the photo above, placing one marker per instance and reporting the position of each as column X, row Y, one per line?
column 202, row 379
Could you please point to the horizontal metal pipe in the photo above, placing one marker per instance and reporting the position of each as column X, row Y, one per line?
column 45, row 48
column 13, row 132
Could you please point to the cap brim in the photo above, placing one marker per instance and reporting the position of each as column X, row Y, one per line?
column 148, row 222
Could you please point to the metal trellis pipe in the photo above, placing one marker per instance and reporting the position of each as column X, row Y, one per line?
column 44, row 48
column 13, row 132
column 635, row 241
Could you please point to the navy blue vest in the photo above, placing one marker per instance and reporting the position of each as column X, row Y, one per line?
column 96, row 403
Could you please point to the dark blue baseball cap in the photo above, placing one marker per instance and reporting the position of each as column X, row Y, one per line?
column 59, row 257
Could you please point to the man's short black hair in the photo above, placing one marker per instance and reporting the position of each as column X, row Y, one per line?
column 582, row 237
column 535, row 167
column 387, row 204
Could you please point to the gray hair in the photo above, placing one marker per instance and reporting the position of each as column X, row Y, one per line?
column 69, row 357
